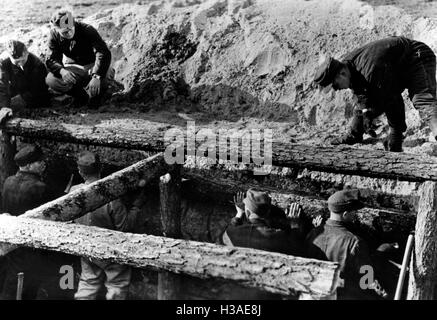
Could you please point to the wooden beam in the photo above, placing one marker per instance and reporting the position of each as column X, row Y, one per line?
column 339, row 159
column 170, row 198
column 92, row 196
column 423, row 266
column 273, row 272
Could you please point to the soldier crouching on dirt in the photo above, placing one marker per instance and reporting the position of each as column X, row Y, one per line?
column 21, row 73
column 378, row 73
column 114, row 215
column 86, row 71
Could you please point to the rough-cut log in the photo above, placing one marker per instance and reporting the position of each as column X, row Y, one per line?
column 93, row 196
column 343, row 159
column 273, row 272
column 376, row 225
column 7, row 153
column 423, row 267
column 170, row 198
column 376, row 192
column 143, row 139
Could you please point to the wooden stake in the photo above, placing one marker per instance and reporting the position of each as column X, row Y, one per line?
column 8, row 149
column 170, row 197
column 423, row 267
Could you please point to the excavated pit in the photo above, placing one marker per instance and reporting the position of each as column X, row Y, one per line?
column 238, row 65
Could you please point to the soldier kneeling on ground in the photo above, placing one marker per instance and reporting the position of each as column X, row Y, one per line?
column 21, row 74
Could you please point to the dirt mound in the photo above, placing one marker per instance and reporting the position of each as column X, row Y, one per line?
column 247, row 58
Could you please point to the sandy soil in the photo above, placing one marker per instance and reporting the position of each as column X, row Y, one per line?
column 25, row 17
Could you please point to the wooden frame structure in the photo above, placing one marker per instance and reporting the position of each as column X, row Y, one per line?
column 345, row 160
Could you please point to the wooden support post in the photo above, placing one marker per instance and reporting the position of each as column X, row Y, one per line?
column 94, row 195
column 170, row 196
column 7, row 152
column 423, row 266
column 269, row 271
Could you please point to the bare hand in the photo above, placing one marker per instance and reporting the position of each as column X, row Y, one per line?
column 5, row 113
column 294, row 211
column 238, row 201
column 68, row 76
column 317, row 221
column 94, row 87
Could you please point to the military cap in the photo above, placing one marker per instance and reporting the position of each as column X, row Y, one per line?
column 327, row 71
column 15, row 48
column 345, row 200
column 29, row 154
column 257, row 201
column 88, row 162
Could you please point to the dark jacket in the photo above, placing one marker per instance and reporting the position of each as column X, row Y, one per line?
column 23, row 191
column 334, row 242
column 86, row 47
column 257, row 234
column 113, row 216
column 29, row 82
column 380, row 69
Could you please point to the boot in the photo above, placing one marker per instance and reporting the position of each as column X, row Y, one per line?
column 347, row 138
column 394, row 141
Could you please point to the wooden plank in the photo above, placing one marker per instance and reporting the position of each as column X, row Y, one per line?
column 273, row 272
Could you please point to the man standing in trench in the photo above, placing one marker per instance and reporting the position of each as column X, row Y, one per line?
column 378, row 73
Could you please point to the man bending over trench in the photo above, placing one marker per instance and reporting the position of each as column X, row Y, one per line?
column 378, row 73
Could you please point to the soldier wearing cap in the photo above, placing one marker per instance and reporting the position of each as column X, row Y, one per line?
column 334, row 242
column 114, row 216
column 378, row 73
column 87, row 69
column 21, row 73
column 21, row 192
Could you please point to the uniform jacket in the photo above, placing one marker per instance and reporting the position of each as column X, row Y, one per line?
column 22, row 192
column 334, row 242
column 112, row 215
column 379, row 69
column 28, row 82
column 86, row 47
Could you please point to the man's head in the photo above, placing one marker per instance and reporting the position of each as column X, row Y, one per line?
column 63, row 22
column 89, row 165
column 333, row 72
column 31, row 159
column 344, row 204
column 257, row 202
column 17, row 52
